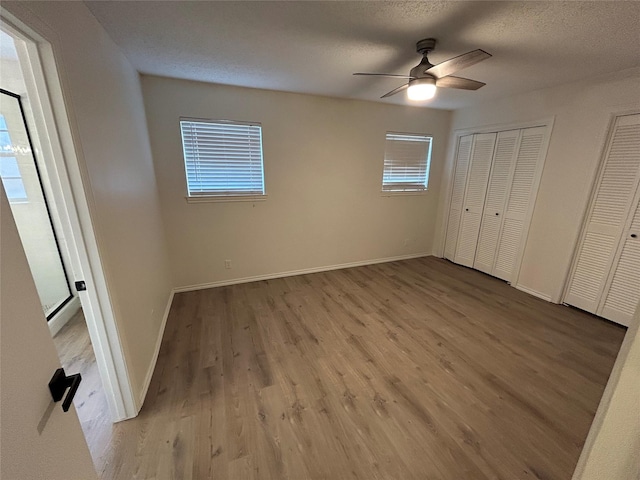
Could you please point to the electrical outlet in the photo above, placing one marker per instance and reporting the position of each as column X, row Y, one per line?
column 227, row 264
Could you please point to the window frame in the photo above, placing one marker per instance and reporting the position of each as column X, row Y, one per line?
column 407, row 191
column 218, row 197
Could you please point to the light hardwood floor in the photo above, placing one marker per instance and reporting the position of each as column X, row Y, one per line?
column 418, row 369
column 76, row 356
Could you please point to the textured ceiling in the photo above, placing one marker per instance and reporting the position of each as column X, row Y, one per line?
column 314, row 47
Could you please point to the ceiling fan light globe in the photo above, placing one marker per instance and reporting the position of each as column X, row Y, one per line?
column 419, row 91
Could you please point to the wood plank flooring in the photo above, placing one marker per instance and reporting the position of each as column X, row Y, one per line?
column 76, row 356
column 418, row 369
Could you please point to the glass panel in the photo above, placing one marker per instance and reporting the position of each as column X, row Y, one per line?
column 24, row 191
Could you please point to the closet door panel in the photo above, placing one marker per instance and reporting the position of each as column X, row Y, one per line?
column 457, row 196
column 468, row 238
column 623, row 295
column 487, row 243
column 619, row 179
column 481, row 158
column 519, row 200
column 499, row 181
column 608, row 215
column 594, row 262
column 508, row 248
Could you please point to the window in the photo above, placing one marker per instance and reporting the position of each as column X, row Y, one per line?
column 222, row 159
column 9, row 170
column 406, row 162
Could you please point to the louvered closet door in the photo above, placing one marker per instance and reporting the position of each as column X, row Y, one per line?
column 493, row 214
column 457, row 196
column 623, row 293
column 608, row 215
column 519, row 200
column 481, row 156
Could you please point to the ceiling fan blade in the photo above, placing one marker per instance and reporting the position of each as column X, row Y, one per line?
column 395, row 90
column 457, row 82
column 454, row 64
column 393, row 75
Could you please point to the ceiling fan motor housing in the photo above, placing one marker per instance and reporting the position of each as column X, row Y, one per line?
column 425, row 45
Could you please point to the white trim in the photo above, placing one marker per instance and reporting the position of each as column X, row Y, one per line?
column 54, row 118
column 533, row 292
column 65, row 314
column 156, row 352
column 291, row 273
column 504, row 127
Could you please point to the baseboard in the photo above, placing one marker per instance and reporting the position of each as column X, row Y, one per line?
column 65, row 314
column 152, row 366
column 530, row 291
column 291, row 273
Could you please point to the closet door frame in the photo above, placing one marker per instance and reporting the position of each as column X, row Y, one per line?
column 448, row 181
column 586, row 213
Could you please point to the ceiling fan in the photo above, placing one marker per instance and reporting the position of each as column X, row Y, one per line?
column 425, row 77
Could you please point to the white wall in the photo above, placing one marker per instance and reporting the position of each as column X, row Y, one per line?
column 323, row 169
column 582, row 114
column 612, row 449
column 104, row 102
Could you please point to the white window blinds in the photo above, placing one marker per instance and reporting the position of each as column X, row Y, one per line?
column 222, row 158
column 406, row 162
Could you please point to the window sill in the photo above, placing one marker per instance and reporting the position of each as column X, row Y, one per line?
column 401, row 193
column 227, row 198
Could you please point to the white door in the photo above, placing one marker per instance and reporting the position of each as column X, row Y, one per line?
column 607, row 218
column 493, row 214
column 457, row 196
column 480, row 165
column 622, row 294
column 520, row 201
column 36, row 441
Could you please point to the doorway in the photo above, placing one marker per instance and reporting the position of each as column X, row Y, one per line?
column 41, row 169
column 28, row 189
column 23, row 184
